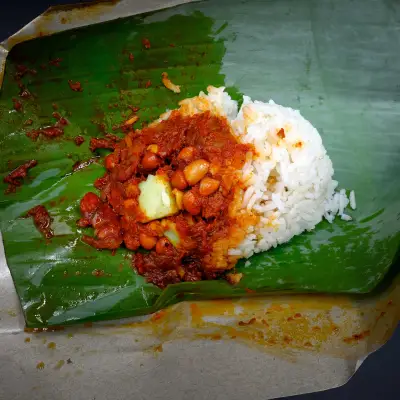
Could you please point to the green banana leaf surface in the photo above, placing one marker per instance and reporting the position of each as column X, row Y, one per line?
column 338, row 67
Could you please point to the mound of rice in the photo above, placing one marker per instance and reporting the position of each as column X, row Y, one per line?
column 288, row 183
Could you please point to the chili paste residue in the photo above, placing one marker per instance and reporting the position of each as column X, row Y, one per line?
column 50, row 132
column 42, row 220
column 78, row 140
column 75, row 86
column 15, row 178
column 109, row 142
column 206, row 225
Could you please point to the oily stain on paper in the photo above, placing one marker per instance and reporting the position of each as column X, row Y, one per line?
column 276, row 325
column 312, row 323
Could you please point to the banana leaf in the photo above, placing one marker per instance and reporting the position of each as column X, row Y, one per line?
column 337, row 67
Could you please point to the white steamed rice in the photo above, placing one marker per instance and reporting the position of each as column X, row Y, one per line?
column 289, row 182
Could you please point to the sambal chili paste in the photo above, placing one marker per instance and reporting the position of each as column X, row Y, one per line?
column 15, row 178
column 50, row 132
column 42, row 220
column 170, row 190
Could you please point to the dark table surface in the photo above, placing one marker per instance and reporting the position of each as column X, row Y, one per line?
column 377, row 378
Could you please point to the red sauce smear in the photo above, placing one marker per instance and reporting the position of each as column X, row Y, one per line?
column 42, row 220
column 117, row 219
column 109, row 142
column 104, row 221
column 146, row 43
column 17, row 105
column 134, row 109
column 24, row 92
column 55, row 62
column 14, row 178
column 50, row 132
column 75, row 86
column 250, row 322
column 23, row 70
column 79, row 140
column 357, row 337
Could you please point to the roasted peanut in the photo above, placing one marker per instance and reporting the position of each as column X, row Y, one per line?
column 178, row 180
column 191, row 203
column 178, row 198
column 163, row 246
column 146, row 241
column 208, row 186
column 150, row 160
column 186, row 154
column 196, row 171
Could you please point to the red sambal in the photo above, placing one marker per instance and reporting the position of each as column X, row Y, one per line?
column 200, row 158
column 42, row 220
column 16, row 177
column 50, row 132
